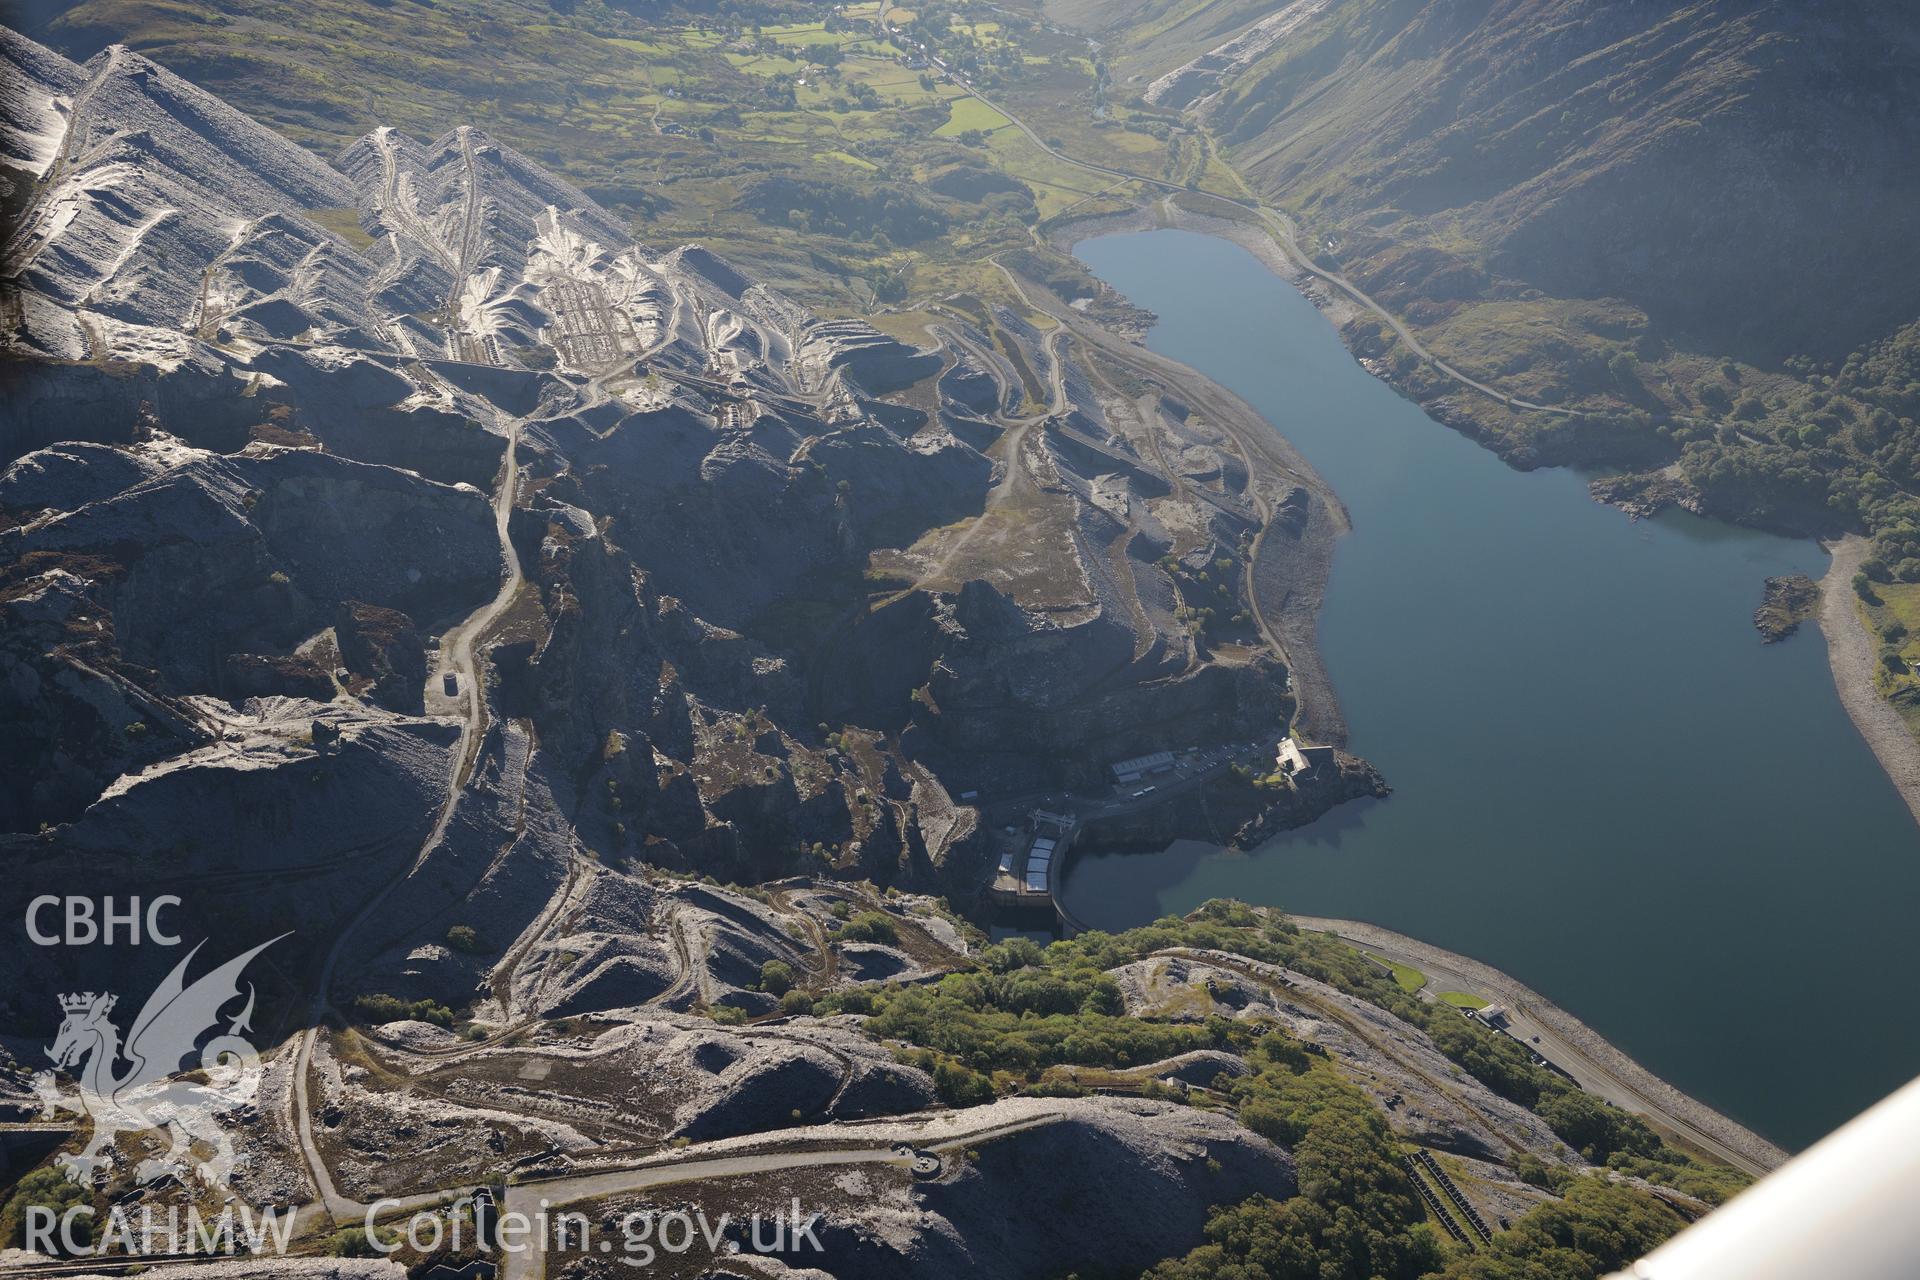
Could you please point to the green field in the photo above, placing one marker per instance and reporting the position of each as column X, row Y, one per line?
column 805, row 33
column 1408, row 978
column 1892, row 618
column 970, row 113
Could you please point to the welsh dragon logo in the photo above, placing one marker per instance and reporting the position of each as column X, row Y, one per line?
column 150, row 1093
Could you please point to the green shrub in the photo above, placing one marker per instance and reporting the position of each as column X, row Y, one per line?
column 378, row 1008
column 351, row 1242
column 462, row 938
column 1014, row 953
column 1024, row 1021
column 776, row 977
column 869, row 926
column 959, row 1086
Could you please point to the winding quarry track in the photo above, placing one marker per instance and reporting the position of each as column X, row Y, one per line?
column 457, row 644
column 1291, row 636
column 457, row 659
column 533, row 1199
column 1263, row 507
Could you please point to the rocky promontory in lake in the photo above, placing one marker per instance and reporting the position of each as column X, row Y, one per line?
column 1790, row 600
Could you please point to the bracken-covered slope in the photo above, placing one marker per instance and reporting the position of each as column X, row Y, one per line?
column 1736, row 168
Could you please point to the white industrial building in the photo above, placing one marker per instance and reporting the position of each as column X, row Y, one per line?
column 1125, row 771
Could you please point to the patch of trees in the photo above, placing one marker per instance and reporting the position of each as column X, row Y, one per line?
column 850, row 212
column 1840, row 446
column 381, row 1008
column 869, row 926
column 1015, row 1024
column 1345, row 1224
column 1595, row 1229
column 989, row 187
column 1024, row 1008
column 1766, row 483
column 1604, row 1134
column 1356, row 1217
column 931, row 24
column 1210, row 598
column 48, row 1188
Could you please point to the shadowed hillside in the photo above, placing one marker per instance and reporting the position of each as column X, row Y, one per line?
column 1736, row 169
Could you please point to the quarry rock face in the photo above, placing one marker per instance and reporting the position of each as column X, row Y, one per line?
column 280, row 490
column 268, row 465
column 279, row 428
column 399, row 552
column 382, row 645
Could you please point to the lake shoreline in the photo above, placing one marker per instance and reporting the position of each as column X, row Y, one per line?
column 1256, row 240
column 1850, row 650
column 1851, row 657
column 1536, row 819
column 1671, row 1108
column 1291, row 570
column 1664, row 1104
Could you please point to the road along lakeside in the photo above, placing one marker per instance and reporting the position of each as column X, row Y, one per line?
column 1586, row 1055
column 1851, row 654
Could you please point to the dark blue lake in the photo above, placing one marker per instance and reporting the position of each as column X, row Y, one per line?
column 1604, row 783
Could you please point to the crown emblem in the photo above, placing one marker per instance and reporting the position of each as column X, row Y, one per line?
column 81, row 1002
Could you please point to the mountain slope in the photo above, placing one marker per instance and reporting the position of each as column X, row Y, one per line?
column 1664, row 238
column 1735, row 168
